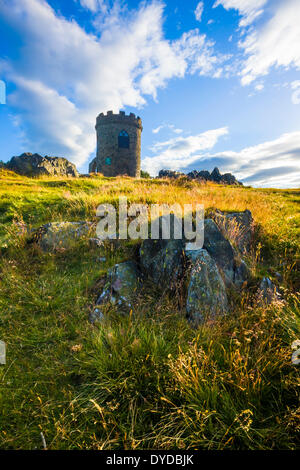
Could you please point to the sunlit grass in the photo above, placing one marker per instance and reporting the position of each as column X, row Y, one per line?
column 147, row 380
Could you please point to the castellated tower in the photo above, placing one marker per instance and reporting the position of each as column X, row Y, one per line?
column 118, row 145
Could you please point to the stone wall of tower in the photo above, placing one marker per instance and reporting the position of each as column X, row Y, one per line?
column 122, row 161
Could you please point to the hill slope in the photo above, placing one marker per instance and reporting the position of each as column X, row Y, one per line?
column 147, row 380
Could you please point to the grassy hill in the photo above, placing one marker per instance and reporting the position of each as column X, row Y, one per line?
column 147, row 380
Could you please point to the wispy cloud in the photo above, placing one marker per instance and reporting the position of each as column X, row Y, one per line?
column 296, row 94
column 178, row 152
column 199, row 11
column 248, row 9
column 274, row 43
column 170, row 127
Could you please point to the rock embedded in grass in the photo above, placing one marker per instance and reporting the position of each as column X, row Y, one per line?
column 206, row 298
column 61, row 235
column 220, row 249
column 238, row 227
column 267, row 292
column 122, row 286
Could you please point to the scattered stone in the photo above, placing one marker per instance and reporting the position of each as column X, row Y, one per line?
column 2, row 352
column 61, row 235
column 278, row 277
column 219, row 249
column 29, row 164
column 96, row 316
column 123, row 282
column 268, row 292
column 95, row 242
column 206, row 291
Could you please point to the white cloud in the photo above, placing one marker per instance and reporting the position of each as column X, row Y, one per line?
column 296, row 94
column 274, row 163
column 275, row 43
column 171, row 127
column 66, row 76
column 199, row 11
column 95, row 5
column 248, row 9
column 178, row 151
column 259, row 87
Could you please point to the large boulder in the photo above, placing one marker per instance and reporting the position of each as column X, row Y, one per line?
column 61, row 235
column 29, row 164
column 162, row 260
column 206, row 298
column 220, row 249
column 238, row 227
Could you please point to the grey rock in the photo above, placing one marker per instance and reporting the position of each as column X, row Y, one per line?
column 95, row 242
column 220, row 249
column 238, row 227
column 123, row 282
column 216, row 175
column 206, row 290
column 230, row 179
column 96, row 316
column 61, row 235
column 2, row 352
column 200, row 175
column 203, row 175
column 242, row 274
column 29, row 164
column 170, row 174
column 268, row 292
column 162, row 259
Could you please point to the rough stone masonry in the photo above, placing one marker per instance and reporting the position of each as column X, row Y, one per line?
column 118, row 145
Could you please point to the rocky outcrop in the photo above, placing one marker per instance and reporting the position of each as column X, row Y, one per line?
column 206, row 297
column 203, row 175
column 206, row 273
column 170, row 174
column 29, row 164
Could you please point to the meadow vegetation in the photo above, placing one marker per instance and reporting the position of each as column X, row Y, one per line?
column 146, row 380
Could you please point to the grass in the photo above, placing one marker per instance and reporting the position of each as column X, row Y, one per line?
column 147, row 380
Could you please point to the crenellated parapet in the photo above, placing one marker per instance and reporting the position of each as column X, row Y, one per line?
column 120, row 118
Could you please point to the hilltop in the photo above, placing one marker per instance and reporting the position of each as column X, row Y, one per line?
column 146, row 379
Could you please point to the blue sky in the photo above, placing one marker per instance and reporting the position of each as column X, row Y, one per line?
column 216, row 82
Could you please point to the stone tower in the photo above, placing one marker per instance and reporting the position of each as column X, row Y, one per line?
column 118, row 145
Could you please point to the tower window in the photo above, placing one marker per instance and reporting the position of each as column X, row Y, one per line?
column 108, row 161
column 123, row 140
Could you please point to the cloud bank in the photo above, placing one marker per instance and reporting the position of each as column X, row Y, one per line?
column 274, row 163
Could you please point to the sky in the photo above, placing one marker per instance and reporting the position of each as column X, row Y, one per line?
column 216, row 82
